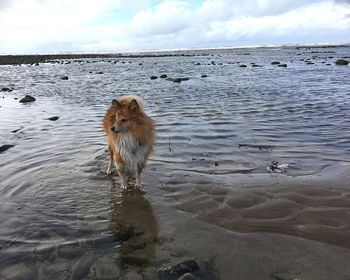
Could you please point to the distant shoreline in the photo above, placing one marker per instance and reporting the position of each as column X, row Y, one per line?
column 46, row 58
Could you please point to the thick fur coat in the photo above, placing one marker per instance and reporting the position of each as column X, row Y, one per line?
column 131, row 135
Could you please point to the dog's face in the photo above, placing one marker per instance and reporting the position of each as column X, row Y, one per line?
column 126, row 113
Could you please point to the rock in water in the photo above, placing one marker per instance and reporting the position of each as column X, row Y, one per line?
column 4, row 148
column 20, row 271
column 341, row 62
column 55, row 118
column 27, row 99
column 188, row 270
column 177, row 80
column 64, row 78
column 179, row 269
column 6, row 89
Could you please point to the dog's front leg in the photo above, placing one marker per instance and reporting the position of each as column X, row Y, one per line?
column 122, row 175
column 110, row 164
column 138, row 180
column 138, row 175
column 124, row 181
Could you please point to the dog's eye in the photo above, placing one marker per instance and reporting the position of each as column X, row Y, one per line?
column 124, row 120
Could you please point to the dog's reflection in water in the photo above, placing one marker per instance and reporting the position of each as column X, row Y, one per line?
column 134, row 225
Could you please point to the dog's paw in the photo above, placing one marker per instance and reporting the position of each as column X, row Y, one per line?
column 123, row 187
column 109, row 171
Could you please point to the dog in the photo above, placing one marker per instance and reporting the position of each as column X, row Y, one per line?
column 131, row 136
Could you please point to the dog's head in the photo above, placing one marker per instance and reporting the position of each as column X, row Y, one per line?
column 127, row 112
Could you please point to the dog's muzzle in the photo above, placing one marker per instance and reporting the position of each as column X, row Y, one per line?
column 117, row 129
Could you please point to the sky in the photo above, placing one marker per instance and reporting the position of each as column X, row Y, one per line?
column 58, row 26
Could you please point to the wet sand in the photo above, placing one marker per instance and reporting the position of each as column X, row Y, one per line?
column 206, row 199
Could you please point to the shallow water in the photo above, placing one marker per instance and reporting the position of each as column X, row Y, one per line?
column 207, row 193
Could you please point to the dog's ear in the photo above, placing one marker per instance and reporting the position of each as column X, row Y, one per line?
column 115, row 103
column 133, row 106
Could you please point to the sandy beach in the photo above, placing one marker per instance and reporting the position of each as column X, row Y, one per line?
column 210, row 207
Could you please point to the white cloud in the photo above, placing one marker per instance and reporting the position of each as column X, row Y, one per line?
column 32, row 24
column 166, row 18
column 5, row 4
column 219, row 22
column 307, row 20
column 87, row 25
column 225, row 9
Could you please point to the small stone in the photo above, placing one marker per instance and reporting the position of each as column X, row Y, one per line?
column 64, row 78
column 153, row 77
column 106, row 268
column 180, row 269
column 20, row 271
column 177, row 80
column 186, row 266
column 163, row 76
column 282, row 65
column 99, row 73
column 184, row 79
column 59, row 269
column 4, row 148
column 275, row 63
column 55, row 118
column 242, row 65
column 132, row 275
column 204, row 76
column 82, row 266
column 341, row 62
column 27, row 99
column 6, row 89
column 216, row 163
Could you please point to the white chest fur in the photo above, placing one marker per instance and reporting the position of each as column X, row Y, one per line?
column 130, row 151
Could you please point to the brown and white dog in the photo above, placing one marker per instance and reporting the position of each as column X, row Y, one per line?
column 131, row 135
